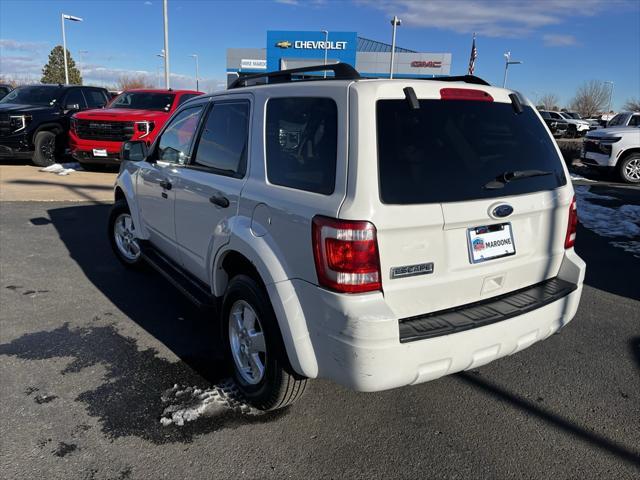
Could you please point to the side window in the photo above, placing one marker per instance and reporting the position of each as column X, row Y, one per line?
column 185, row 97
column 545, row 115
column 95, row 98
column 223, row 143
column 617, row 120
column 74, row 97
column 302, row 143
column 555, row 115
column 634, row 121
column 175, row 142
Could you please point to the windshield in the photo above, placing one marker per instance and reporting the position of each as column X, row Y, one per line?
column 33, row 95
column 447, row 151
column 574, row 115
column 144, row 101
column 566, row 116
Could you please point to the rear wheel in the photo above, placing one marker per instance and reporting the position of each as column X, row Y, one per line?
column 45, row 149
column 629, row 168
column 255, row 349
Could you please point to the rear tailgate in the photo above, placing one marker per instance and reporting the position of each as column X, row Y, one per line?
column 434, row 167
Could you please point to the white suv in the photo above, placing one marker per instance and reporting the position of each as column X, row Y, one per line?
column 377, row 233
column 614, row 148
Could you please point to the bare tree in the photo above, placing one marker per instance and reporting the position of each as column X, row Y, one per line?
column 549, row 101
column 591, row 98
column 128, row 82
column 632, row 105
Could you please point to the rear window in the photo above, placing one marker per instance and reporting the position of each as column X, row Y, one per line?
column 448, row 151
column 301, row 138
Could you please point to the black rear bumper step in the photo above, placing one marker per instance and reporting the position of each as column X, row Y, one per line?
column 191, row 287
column 485, row 312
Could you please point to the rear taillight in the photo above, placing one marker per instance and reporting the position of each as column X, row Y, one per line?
column 346, row 255
column 572, row 226
column 465, row 94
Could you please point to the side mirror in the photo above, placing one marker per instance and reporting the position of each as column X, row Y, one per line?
column 135, row 151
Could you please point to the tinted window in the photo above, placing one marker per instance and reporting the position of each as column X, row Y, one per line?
column 144, row 101
column 175, row 143
column 36, row 95
column 447, row 151
column 95, row 98
column 301, row 138
column 74, row 97
column 186, row 96
column 545, row 115
column 634, row 121
column 223, row 143
column 617, row 120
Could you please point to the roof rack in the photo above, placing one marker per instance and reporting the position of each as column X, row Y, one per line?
column 341, row 71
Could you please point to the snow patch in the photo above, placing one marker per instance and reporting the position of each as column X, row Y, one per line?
column 186, row 404
column 621, row 222
column 575, row 176
column 62, row 168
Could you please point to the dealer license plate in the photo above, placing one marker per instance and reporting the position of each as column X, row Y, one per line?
column 99, row 152
column 489, row 242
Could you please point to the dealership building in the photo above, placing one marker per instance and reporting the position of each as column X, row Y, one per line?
column 294, row 49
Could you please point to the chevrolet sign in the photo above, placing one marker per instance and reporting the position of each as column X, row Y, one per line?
column 312, row 45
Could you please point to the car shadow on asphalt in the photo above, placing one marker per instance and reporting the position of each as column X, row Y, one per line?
column 133, row 396
column 609, row 268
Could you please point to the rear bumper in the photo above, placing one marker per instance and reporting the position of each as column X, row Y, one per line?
column 356, row 340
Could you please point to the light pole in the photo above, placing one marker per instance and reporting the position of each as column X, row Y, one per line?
column 64, row 17
column 326, row 46
column 395, row 21
column 610, row 96
column 161, row 55
column 166, row 44
column 195, row 55
column 507, row 62
column 81, row 54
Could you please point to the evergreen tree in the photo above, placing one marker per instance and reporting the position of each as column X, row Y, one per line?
column 53, row 71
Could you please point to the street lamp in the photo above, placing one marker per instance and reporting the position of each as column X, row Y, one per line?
column 165, row 14
column 507, row 62
column 326, row 46
column 64, row 17
column 81, row 54
column 395, row 21
column 195, row 55
column 610, row 95
column 160, row 55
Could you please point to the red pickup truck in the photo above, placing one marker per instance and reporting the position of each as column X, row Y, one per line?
column 95, row 136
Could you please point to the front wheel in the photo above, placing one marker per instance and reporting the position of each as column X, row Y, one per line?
column 121, row 232
column 255, row 348
column 629, row 168
column 45, row 149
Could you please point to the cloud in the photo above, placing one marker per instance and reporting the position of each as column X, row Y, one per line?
column 20, row 66
column 148, row 3
column 18, row 46
column 558, row 40
column 506, row 18
column 288, row 2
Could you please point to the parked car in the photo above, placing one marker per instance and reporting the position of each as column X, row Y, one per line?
column 625, row 119
column 97, row 135
column 4, row 89
column 34, row 119
column 558, row 127
column 616, row 149
column 593, row 124
column 576, row 127
column 374, row 232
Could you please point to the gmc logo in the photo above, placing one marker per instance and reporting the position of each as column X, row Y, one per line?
column 426, row 64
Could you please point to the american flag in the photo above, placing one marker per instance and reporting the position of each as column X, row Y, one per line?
column 474, row 55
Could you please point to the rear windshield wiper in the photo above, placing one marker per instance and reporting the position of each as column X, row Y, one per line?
column 501, row 180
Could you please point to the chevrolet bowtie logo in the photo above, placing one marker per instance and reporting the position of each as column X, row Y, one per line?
column 283, row 44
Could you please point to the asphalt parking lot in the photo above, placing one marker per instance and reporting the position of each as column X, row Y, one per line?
column 89, row 353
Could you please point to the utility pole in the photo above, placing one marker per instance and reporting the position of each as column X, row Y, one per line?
column 395, row 21
column 326, row 41
column 610, row 96
column 166, row 44
column 195, row 55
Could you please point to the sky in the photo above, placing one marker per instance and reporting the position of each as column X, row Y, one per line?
column 563, row 43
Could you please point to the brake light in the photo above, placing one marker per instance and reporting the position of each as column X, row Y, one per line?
column 346, row 255
column 465, row 94
column 572, row 225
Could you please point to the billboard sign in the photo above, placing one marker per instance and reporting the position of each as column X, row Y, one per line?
column 310, row 45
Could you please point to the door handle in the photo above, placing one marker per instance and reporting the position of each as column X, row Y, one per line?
column 219, row 199
column 166, row 184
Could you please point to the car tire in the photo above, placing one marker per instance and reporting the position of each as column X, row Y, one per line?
column 254, row 347
column 121, row 230
column 45, row 149
column 629, row 168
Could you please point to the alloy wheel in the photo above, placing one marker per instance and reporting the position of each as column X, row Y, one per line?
column 125, row 238
column 248, row 347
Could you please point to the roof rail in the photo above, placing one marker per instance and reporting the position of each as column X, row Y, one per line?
column 341, row 71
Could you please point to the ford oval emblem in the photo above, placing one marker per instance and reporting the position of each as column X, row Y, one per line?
column 502, row 211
